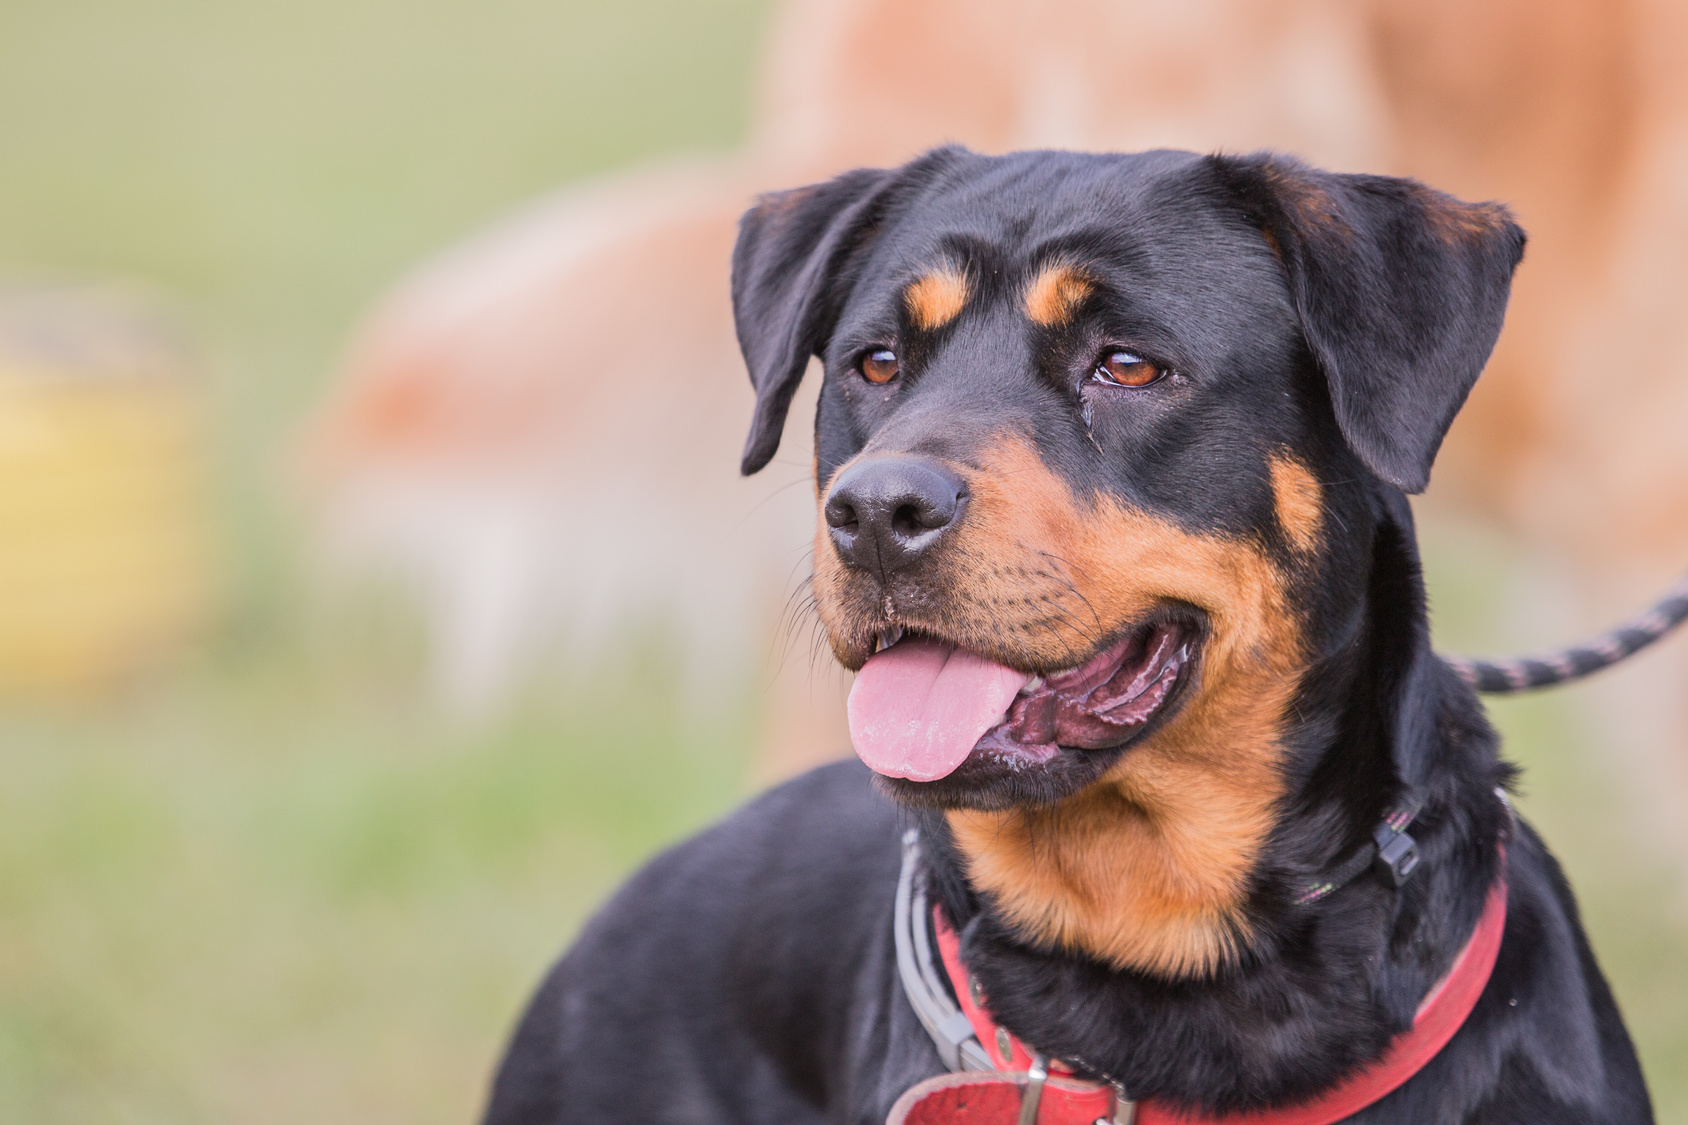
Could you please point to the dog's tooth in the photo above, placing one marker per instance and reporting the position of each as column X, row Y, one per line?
column 888, row 637
column 1033, row 684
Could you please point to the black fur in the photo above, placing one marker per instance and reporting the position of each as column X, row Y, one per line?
column 1399, row 301
column 788, row 267
column 748, row 975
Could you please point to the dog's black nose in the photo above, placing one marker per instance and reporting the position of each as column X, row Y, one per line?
column 885, row 511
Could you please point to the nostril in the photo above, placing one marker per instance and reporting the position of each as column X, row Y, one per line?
column 919, row 514
column 841, row 515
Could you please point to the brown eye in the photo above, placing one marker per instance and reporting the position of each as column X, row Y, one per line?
column 1127, row 370
column 880, row 366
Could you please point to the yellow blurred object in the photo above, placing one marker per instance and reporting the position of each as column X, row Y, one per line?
column 104, row 564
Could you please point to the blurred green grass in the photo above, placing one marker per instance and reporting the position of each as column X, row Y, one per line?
column 236, row 900
column 267, row 884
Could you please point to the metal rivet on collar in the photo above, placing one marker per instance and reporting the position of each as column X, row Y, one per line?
column 1004, row 1045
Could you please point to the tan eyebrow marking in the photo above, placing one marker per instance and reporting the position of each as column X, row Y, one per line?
column 1055, row 292
column 937, row 298
column 1300, row 502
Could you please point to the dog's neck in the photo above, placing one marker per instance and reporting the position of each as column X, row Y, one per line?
column 1149, row 869
column 1185, row 872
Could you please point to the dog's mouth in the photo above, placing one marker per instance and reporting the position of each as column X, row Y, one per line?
column 924, row 710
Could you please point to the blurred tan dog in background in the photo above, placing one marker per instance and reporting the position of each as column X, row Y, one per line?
column 539, row 430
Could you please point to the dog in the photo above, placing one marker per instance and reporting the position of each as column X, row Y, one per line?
column 478, row 425
column 1112, row 457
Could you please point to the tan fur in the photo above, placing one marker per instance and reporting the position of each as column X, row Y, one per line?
column 937, row 298
column 1312, row 205
column 1146, row 869
column 1455, row 222
column 1300, row 502
column 1054, row 293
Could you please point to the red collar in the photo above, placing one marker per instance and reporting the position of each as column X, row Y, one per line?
column 989, row 1098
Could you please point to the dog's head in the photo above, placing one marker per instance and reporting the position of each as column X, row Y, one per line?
column 1101, row 449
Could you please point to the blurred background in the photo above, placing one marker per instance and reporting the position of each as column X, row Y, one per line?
column 376, row 589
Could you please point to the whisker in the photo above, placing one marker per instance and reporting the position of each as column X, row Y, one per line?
column 1077, row 593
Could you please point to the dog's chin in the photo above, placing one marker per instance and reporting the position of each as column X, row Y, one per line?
column 1064, row 732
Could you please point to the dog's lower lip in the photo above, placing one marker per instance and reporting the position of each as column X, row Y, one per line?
column 932, row 708
column 1099, row 705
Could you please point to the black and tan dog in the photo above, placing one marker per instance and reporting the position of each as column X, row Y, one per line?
column 1112, row 455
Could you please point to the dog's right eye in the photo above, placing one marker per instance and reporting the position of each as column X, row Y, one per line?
column 1124, row 369
column 880, row 366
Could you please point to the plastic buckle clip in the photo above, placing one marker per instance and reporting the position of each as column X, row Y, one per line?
column 1397, row 855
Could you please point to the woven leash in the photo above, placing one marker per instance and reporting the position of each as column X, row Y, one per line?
column 1502, row 676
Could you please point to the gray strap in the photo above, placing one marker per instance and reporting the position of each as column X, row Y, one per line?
column 927, row 994
column 946, row 1023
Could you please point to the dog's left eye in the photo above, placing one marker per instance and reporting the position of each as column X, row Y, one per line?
column 1126, row 369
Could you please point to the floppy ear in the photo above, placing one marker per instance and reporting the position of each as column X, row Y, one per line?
column 1401, row 291
column 792, row 248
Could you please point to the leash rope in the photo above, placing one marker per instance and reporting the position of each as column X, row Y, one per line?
column 1506, row 675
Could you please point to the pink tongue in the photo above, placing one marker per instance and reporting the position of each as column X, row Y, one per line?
column 919, row 707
